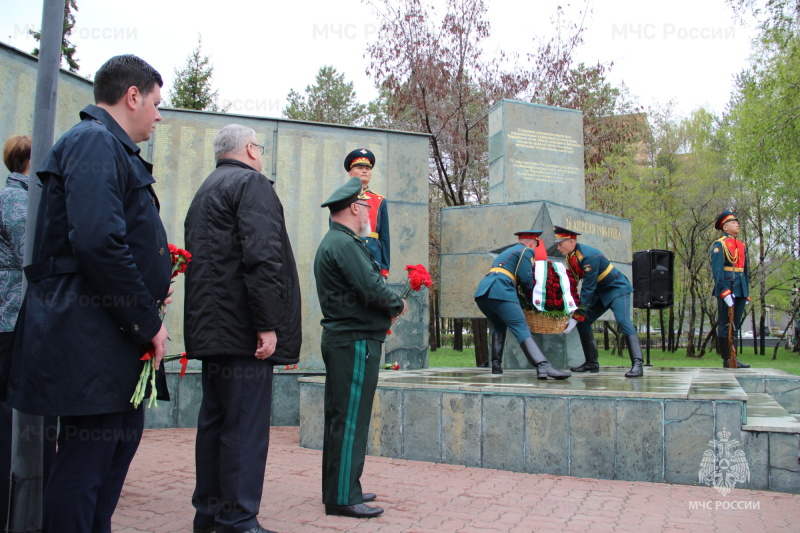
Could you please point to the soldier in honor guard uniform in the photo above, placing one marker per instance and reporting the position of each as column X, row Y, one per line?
column 604, row 287
column 359, row 163
column 358, row 309
column 731, row 275
column 496, row 297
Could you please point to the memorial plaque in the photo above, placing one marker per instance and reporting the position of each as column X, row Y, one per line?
column 535, row 153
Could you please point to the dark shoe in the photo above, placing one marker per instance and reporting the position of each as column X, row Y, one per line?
column 358, row 510
column 726, row 363
column 368, row 497
column 498, row 342
column 587, row 367
column 589, row 345
column 259, row 529
column 535, row 357
column 207, row 529
column 635, row 349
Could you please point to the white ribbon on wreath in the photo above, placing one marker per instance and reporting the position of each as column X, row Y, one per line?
column 540, row 275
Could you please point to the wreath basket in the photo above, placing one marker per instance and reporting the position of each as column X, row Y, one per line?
column 552, row 310
column 541, row 323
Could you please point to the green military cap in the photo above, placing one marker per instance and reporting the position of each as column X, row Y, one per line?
column 359, row 156
column 345, row 195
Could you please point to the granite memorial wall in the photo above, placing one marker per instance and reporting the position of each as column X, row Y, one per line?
column 305, row 162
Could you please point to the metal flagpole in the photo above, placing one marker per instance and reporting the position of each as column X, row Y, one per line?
column 25, row 511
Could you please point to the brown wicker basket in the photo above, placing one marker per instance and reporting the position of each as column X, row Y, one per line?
column 540, row 323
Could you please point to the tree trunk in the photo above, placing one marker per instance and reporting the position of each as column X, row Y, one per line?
column 663, row 338
column 605, row 335
column 458, row 341
column 481, row 339
column 433, row 321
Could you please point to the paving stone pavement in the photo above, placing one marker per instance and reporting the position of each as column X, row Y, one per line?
column 420, row 496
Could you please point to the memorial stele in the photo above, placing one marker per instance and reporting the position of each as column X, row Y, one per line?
column 536, row 180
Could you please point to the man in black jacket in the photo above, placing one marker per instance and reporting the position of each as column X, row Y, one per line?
column 241, row 317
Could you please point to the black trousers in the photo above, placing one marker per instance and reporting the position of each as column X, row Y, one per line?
column 351, row 377
column 92, row 460
column 232, row 442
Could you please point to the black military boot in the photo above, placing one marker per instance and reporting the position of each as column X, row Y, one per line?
column 589, row 353
column 725, row 352
column 635, row 350
column 535, row 356
column 498, row 341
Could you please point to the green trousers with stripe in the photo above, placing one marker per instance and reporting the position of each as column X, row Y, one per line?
column 351, row 376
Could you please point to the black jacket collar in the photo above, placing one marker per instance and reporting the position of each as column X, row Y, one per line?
column 104, row 117
column 236, row 162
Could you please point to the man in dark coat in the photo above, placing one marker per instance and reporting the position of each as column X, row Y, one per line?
column 358, row 309
column 241, row 317
column 100, row 273
column 496, row 297
column 731, row 281
column 603, row 287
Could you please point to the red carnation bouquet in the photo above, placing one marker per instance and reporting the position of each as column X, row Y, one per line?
column 180, row 261
column 418, row 276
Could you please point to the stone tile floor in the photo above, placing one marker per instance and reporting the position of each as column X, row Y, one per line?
column 420, row 497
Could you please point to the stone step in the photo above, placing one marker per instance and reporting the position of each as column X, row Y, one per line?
column 763, row 413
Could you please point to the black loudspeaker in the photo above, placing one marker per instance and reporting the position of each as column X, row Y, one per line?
column 652, row 279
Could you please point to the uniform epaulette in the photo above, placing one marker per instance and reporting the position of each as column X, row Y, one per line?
column 373, row 193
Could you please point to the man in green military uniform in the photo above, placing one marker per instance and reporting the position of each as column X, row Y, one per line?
column 496, row 297
column 358, row 309
column 731, row 274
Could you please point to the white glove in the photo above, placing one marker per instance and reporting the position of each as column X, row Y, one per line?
column 729, row 300
column 570, row 326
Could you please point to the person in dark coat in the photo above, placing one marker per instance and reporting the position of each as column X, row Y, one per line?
column 731, row 281
column 358, row 309
column 603, row 287
column 496, row 297
column 359, row 163
column 100, row 273
column 241, row 317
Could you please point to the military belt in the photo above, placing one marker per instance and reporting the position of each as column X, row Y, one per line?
column 734, row 269
column 605, row 272
column 504, row 271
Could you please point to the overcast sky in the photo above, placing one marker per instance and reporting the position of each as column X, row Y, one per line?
column 686, row 50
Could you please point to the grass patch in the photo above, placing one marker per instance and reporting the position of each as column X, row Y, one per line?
column 787, row 360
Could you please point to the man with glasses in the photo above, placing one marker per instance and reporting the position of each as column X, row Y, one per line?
column 241, row 317
column 358, row 309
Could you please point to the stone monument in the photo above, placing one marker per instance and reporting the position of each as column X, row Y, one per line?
column 536, row 180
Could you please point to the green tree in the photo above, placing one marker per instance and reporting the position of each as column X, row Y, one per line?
column 331, row 99
column 67, row 48
column 191, row 88
column 764, row 131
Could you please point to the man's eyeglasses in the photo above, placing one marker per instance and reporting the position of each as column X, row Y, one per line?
column 260, row 148
column 364, row 205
